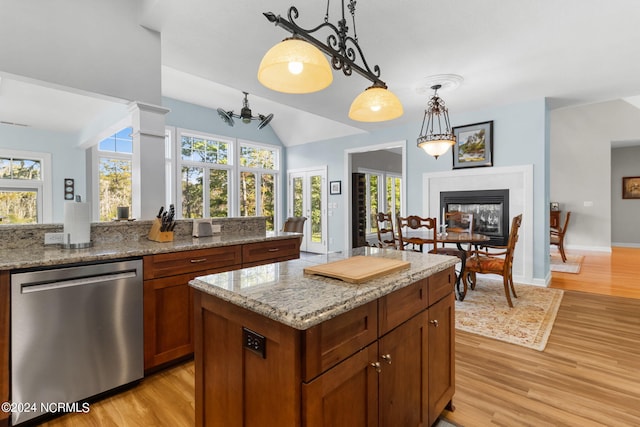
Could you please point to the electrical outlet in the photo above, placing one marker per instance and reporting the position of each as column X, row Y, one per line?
column 53, row 238
column 216, row 228
column 255, row 342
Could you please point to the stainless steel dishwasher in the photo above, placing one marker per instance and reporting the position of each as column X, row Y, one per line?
column 75, row 332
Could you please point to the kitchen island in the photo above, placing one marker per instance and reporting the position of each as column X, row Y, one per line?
column 277, row 347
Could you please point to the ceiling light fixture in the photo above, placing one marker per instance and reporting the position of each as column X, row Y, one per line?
column 297, row 65
column 245, row 115
column 436, row 135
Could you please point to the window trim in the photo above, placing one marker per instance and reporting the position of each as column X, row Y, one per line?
column 44, row 186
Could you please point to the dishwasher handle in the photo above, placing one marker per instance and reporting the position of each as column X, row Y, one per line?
column 26, row 288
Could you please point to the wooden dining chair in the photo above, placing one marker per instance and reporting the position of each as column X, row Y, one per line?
column 416, row 223
column 495, row 260
column 557, row 236
column 386, row 235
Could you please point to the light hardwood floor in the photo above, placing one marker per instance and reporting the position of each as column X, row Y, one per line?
column 588, row 375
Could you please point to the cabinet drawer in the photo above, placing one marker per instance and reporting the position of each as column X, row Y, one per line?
column 401, row 305
column 441, row 285
column 174, row 263
column 270, row 251
column 327, row 344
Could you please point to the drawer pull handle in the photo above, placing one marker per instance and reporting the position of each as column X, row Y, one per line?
column 274, row 249
column 434, row 323
column 387, row 357
column 376, row 366
column 196, row 261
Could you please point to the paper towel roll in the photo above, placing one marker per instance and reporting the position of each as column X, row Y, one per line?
column 77, row 223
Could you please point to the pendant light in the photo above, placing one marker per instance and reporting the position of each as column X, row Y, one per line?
column 279, row 65
column 436, row 135
column 376, row 104
column 295, row 66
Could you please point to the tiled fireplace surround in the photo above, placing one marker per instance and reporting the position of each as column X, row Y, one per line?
column 517, row 179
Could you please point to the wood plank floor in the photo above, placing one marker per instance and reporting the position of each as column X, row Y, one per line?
column 589, row 374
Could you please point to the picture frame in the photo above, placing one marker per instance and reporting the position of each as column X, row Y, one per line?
column 335, row 187
column 474, row 145
column 631, row 187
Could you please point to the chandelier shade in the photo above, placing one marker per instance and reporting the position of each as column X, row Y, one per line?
column 375, row 104
column 295, row 66
column 436, row 135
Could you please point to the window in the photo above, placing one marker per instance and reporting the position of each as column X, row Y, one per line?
column 383, row 195
column 222, row 177
column 205, row 163
column 258, row 177
column 22, row 187
column 115, row 167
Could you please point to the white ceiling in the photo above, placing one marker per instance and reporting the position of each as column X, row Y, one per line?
column 571, row 52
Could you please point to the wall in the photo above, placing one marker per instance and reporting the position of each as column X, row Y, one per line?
column 520, row 138
column 94, row 46
column 67, row 162
column 580, row 167
column 378, row 160
column 625, row 230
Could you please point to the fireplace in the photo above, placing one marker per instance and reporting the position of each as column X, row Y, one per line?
column 490, row 209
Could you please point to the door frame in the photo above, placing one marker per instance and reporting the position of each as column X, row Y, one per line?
column 348, row 168
column 320, row 170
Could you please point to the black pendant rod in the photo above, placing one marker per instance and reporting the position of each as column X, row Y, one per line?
column 342, row 57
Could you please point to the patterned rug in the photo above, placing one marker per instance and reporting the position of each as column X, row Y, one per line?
column 485, row 312
column 573, row 264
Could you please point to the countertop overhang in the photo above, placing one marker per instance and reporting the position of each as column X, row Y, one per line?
column 284, row 293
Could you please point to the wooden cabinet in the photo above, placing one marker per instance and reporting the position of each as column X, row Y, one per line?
column 168, row 299
column 387, row 363
column 5, row 334
column 270, row 251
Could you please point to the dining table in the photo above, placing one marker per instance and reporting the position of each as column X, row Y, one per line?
column 421, row 237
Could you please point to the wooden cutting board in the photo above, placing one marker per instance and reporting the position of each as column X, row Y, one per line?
column 358, row 269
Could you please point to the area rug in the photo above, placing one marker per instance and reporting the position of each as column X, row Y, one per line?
column 573, row 264
column 485, row 312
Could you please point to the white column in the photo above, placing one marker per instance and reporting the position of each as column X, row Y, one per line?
column 148, row 185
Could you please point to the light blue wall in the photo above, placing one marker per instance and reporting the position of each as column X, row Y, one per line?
column 66, row 162
column 520, row 138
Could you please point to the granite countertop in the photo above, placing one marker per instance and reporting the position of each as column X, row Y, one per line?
column 282, row 292
column 53, row 255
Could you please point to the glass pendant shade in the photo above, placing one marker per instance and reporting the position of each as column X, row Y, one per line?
column 295, row 66
column 375, row 104
column 436, row 148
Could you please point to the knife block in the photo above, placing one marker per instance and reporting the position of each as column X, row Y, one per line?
column 159, row 236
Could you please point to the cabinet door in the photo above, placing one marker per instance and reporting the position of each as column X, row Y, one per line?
column 441, row 356
column 345, row 395
column 404, row 377
column 168, row 319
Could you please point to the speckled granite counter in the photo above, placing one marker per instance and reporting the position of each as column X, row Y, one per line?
column 114, row 241
column 282, row 292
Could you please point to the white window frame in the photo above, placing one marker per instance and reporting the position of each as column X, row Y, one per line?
column 43, row 187
column 382, row 195
column 277, row 178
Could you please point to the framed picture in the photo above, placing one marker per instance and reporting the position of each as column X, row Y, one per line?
column 474, row 145
column 335, row 187
column 631, row 187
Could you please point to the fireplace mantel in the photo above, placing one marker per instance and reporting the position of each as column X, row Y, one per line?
column 517, row 179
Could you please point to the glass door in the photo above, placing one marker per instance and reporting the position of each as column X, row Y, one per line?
column 307, row 197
